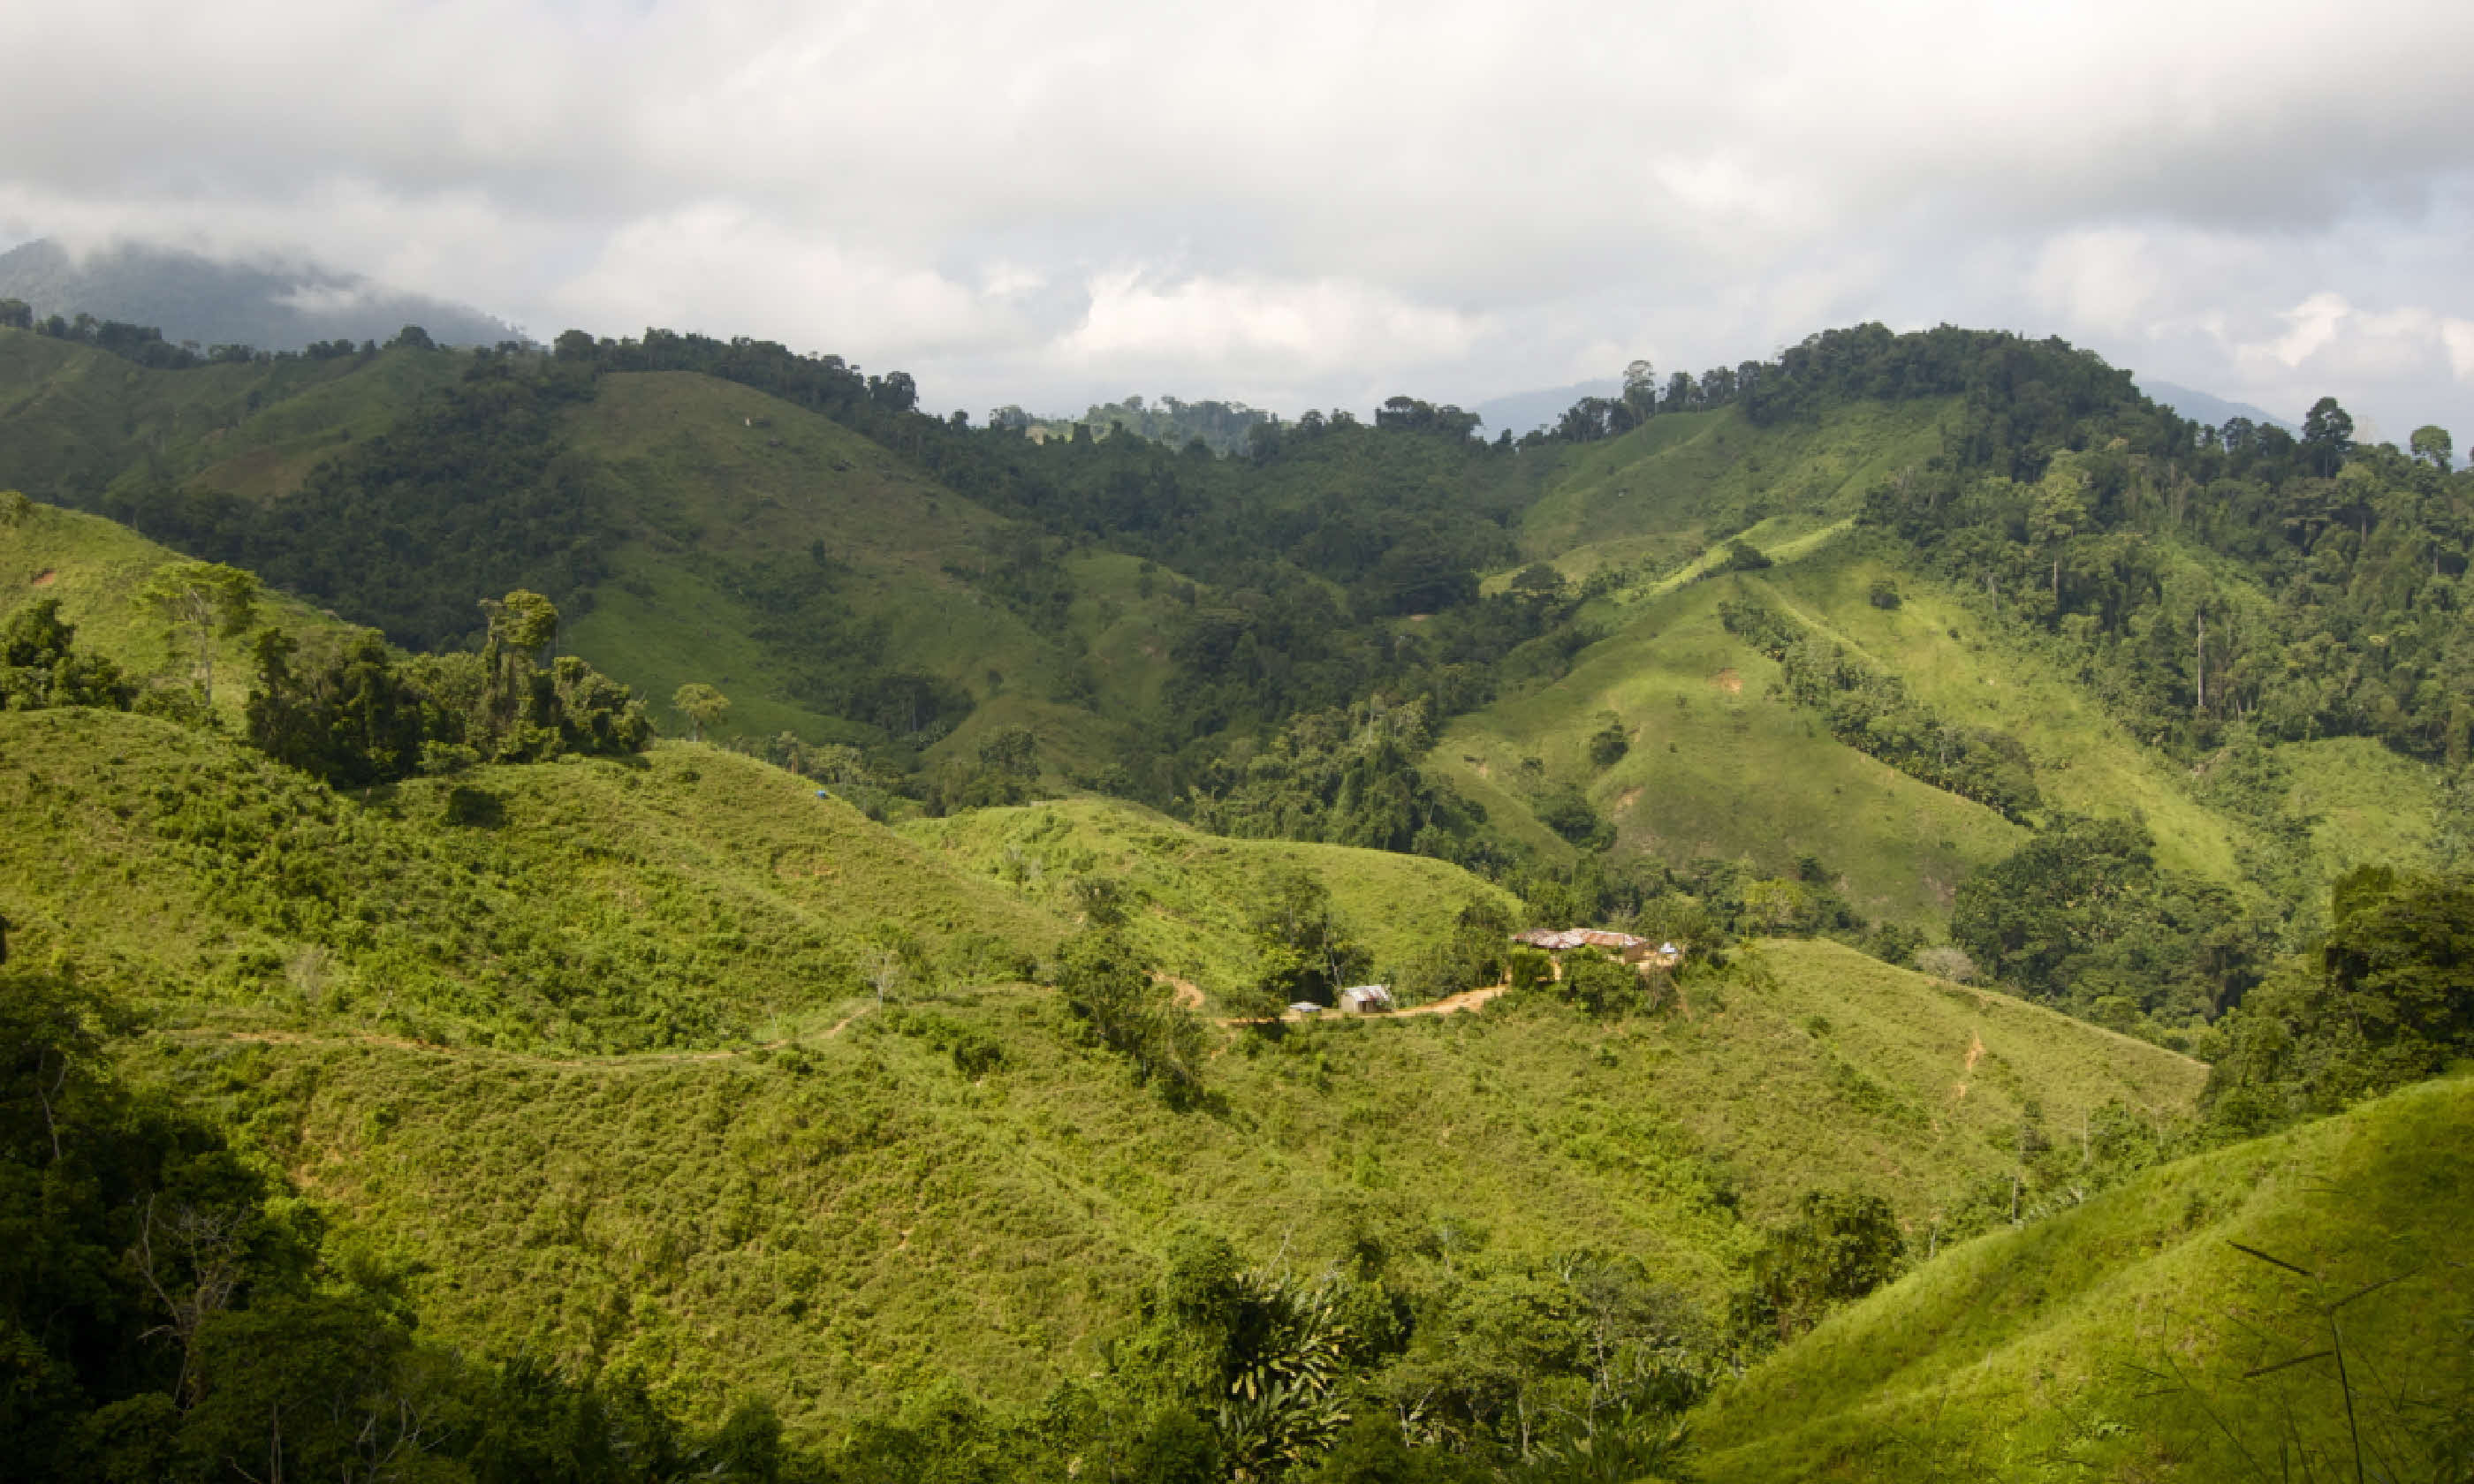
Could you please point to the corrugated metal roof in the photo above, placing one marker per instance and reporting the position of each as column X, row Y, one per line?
column 1577, row 938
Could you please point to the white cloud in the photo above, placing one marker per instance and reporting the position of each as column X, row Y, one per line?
column 753, row 275
column 1252, row 326
column 2457, row 335
column 1483, row 192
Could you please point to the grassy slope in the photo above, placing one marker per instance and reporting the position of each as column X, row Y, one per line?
column 845, row 1215
column 95, row 567
column 709, row 469
column 2085, row 762
column 2097, row 1343
column 834, row 1225
column 1651, row 492
column 1721, row 766
column 1716, row 770
column 268, row 453
column 1195, row 891
column 1729, row 772
column 2371, row 805
column 695, row 896
column 73, row 415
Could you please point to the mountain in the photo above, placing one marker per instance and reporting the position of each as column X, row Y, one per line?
column 2204, row 407
column 857, row 1052
column 271, row 305
column 1520, row 412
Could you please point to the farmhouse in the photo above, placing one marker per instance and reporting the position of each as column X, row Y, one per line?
column 1622, row 945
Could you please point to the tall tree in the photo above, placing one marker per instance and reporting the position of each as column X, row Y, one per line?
column 2327, row 436
column 202, row 602
column 2430, row 442
column 703, row 706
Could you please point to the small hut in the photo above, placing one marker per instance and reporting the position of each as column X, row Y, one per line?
column 1366, row 1000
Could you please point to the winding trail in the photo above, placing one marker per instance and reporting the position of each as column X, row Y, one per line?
column 278, row 1038
column 1188, row 995
column 1450, row 1004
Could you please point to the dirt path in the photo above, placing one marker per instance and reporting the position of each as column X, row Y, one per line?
column 462, row 1053
column 843, row 1023
column 1454, row 1004
column 1450, row 1004
column 1188, row 997
column 402, row 1043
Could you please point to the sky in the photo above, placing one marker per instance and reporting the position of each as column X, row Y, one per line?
column 1313, row 205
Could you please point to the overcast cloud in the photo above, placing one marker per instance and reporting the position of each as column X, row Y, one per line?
column 1313, row 204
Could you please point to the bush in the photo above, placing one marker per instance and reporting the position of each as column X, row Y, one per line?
column 1841, row 1245
column 1598, row 984
column 1946, row 962
column 1609, row 742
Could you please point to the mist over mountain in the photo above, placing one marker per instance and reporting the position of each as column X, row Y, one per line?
column 271, row 305
column 1522, row 411
column 2207, row 407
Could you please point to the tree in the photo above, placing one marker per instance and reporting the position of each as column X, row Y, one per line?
column 1597, row 983
column 14, row 508
column 39, row 665
column 1306, row 951
column 2057, row 514
column 2327, row 436
column 1107, row 987
column 348, row 716
column 1640, row 389
column 1841, row 1246
column 524, row 620
column 2429, row 443
column 704, row 706
column 202, row 602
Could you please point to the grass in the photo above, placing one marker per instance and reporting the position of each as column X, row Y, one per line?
column 2085, row 762
column 579, row 1048
column 2122, row 1340
column 1194, row 892
column 2370, row 804
column 714, row 477
column 689, row 899
column 73, row 417
column 845, row 1217
column 1722, row 765
column 95, row 567
column 1658, row 489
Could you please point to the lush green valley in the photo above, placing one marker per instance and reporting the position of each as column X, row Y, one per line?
column 649, row 909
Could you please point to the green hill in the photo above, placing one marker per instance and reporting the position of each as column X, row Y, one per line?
column 682, row 899
column 94, row 569
column 644, row 1080
column 1194, row 894
column 721, row 487
column 1680, row 480
column 2161, row 1330
column 589, row 1041
column 845, row 1216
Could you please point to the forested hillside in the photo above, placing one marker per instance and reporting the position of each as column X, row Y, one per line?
column 651, row 908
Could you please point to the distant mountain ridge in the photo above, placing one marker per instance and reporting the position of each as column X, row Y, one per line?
column 1522, row 411
column 2207, row 407
column 271, row 305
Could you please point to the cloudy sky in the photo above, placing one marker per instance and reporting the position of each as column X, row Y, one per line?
column 1314, row 204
